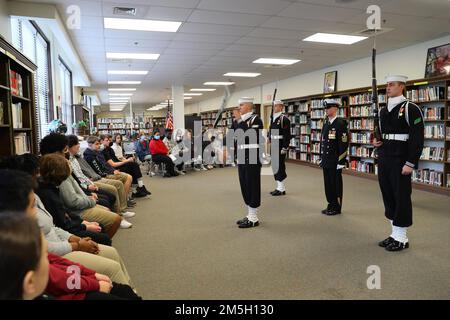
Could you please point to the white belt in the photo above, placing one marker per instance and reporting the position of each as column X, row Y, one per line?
column 276, row 137
column 397, row 137
column 249, row 146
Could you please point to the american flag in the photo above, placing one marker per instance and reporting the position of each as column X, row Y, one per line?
column 169, row 121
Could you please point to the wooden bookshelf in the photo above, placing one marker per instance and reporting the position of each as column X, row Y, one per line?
column 18, row 131
column 429, row 93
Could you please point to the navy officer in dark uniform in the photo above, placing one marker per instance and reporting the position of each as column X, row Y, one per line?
column 333, row 150
column 402, row 132
column 249, row 140
column 280, row 130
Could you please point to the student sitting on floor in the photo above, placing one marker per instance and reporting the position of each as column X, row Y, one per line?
column 16, row 195
column 160, row 155
column 129, row 166
column 24, row 267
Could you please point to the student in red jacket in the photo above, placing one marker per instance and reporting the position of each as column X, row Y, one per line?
column 160, row 153
column 72, row 281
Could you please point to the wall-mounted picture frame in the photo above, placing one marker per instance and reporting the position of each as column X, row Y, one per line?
column 438, row 61
column 330, row 82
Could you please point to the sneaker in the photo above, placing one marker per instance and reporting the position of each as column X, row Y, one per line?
column 124, row 224
column 197, row 169
column 128, row 214
column 204, row 169
column 140, row 194
column 181, row 173
column 131, row 204
column 145, row 190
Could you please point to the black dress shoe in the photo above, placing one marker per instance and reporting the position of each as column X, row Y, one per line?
column 324, row 211
column 278, row 193
column 386, row 242
column 332, row 212
column 146, row 191
column 243, row 220
column 249, row 224
column 272, row 192
column 397, row 246
column 140, row 193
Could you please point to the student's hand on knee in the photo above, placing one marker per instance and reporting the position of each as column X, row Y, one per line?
column 105, row 287
column 102, row 277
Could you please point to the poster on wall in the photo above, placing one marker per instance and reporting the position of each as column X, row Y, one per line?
column 329, row 83
column 438, row 61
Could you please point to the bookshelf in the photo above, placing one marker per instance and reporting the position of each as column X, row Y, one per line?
column 18, row 131
column 432, row 95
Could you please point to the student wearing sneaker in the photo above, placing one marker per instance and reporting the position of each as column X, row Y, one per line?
column 24, row 269
column 97, row 161
column 16, row 195
column 128, row 166
column 160, row 155
column 86, row 183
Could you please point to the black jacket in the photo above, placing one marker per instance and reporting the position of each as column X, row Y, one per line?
column 97, row 161
column 395, row 122
column 49, row 195
column 334, row 143
column 283, row 135
column 252, row 127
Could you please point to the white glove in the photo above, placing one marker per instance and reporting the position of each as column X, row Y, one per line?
column 340, row 167
column 283, row 151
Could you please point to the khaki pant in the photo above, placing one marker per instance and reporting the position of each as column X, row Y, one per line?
column 115, row 187
column 107, row 262
column 101, row 215
column 121, row 177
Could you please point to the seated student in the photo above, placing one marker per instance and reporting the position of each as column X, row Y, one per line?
column 86, row 183
column 63, row 239
column 142, row 148
column 160, row 155
column 97, row 161
column 128, row 165
column 76, row 201
column 24, row 267
column 56, row 181
column 16, row 195
column 118, row 149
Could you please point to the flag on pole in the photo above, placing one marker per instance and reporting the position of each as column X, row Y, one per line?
column 169, row 121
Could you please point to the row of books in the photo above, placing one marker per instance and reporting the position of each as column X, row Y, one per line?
column 17, row 115
column 366, row 98
column 315, row 158
column 303, row 107
column 315, row 136
column 295, row 131
column 362, row 111
column 304, row 148
column 305, row 130
column 362, row 124
column 361, row 137
column 305, row 157
column 317, row 114
column 317, row 124
column 315, row 147
column 428, row 176
column 433, row 113
column 342, row 113
column 436, row 131
column 433, row 153
column 112, row 132
column 431, row 93
column 109, row 120
column 16, row 83
column 364, row 152
column 22, row 143
column 363, row 166
column 208, row 115
column 304, row 139
column 317, row 104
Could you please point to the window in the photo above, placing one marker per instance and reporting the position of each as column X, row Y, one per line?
column 67, row 112
column 29, row 39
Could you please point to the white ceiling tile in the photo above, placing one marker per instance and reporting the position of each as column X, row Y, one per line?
column 208, row 28
column 278, row 33
column 227, row 18
column 268, row 42
column 205, row 38
column 136, row 35
column 318, row 12
column 163, row 3
column 263, row 7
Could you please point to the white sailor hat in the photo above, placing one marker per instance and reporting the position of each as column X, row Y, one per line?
column 396, row 78
column 328, row 103
column 275, row 102
column 245, row 100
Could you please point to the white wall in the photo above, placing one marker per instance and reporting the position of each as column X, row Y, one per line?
column 5, row 23
column 409, row 61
